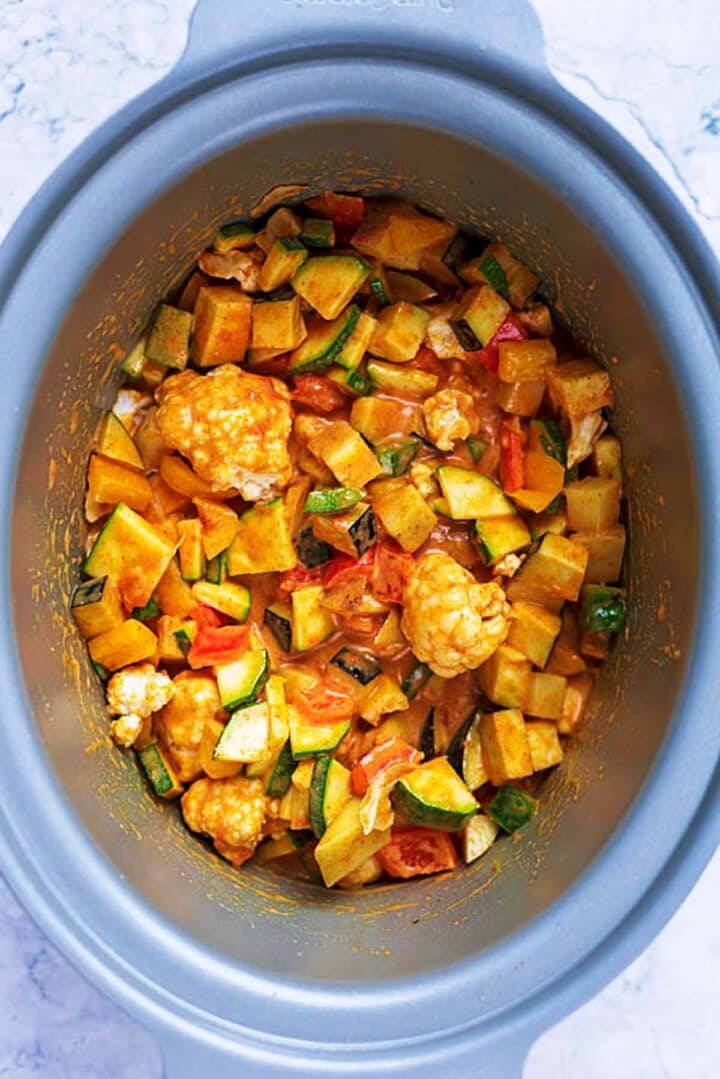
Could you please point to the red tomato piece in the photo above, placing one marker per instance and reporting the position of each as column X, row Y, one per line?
column 342, row 568
column 324, row 703
column 292, row 579
column 318, row 392
column 510, row 330
column 414, row 852
column 378, row 760
column 390, row 572
column 218, row 644
column 512, row 455
column 345, row 211
column 204, row 616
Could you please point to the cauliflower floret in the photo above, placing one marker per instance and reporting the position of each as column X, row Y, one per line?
column 231, row 811
column 242, row 266
column 125, row 730
column 453, row 623
column 138, row 690
column 181, row 723
column 423, row 477
column 233, row 426
column 584, row 433
column 508, row 565
column 449, row 415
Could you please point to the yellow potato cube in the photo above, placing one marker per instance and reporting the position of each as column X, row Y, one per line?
column 533, row 631
column 525, row 361
column 577, row 695
column 593, row 504
column 546, row 696
column 278, row 324
column 552, row 575
column 346, row 454
column 382, row 697
column 505, row 677
column 580, row 386
column 605, row 553
column 223, row 314
column 399, row 332
column 505, row 746
column 406, row 516
column 128, row 643
column 545, row 748
column 521, row 398
column 607, row 457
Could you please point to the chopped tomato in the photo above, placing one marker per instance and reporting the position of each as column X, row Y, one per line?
column 204, row 616
column 366, row 625
column 512, row 455
column 218, row 644
column 318, row 392
column 343, row 568
column 298, row 578
column 390, row 572
column 378, row 760
column 324, row 703
column 346, row 211
column 414, row 852
column 510, row 330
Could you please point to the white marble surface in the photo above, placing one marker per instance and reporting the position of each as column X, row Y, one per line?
column 652, row 67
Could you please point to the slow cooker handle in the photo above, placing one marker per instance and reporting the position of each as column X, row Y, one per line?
column 506, row 32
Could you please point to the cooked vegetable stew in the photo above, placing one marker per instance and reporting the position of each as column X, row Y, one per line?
column 354, row 543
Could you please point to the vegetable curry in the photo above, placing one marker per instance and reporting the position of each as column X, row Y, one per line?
column 354, row 543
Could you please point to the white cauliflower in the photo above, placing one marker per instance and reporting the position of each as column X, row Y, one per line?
column 449, row 415
column 508, row 565
column 124, row 730
column 139, row 690
column 453, row 623
column 242, row 266
column 423, row 477
column 181, row 723
column 230, row 811
column 232, row 425
column 584, row 433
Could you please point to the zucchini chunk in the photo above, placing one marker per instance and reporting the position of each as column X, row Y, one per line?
column 240, row 682
column 127, row 643
column 216, row 568
column 329, row 791
column 499, row 536
column 230, row 598
column 148, row 612
column 360, row 666
column 476, row 447
column 278, row 324
column 246, row 736
column 434, row 796
column 168, row 342
column 132, row 553
column 414, row 681
column 311, row 622
column 311, row 550
column 278, row 619
column 344, row 845
column 602, row 609
column 263, row 543
column 395, row 458
column 114, row 441
column 332, row 499
column 396, row 380
column 379, row 285
column 318, row 232
column 308, row 739
column 190, row 552
column 234, row 236
column 478, row 837
column 353, row 532
column 355, row 382
column 353, row 350
column 324, row 342
column 96, row 606
column 278, row 782
column 399, row 332
column 111, row 482
column 285, row 257
column 512, row 808
column 328, row 283
column 479, row 317
column 507, row 275
column 465, row 752
column 223, row 316
column 470, row 495
column 381, row 697
column 159, row 771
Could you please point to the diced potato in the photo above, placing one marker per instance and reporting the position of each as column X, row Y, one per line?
column 533, row 631
column 399, row 332
column 479, row 316
column 295, row 497
column 169, row 650
column 96, row 606
column 167, row 342
column 548, row 522
column 521, row 398
column 351, row 532
column 390, row 639
column 577, row 695
column 223, row 316
column 605, row 553
column 505, row 677
column 506, row 751
column 595, row 644
column 607, row 458
column 128, row 643
column 593, row 504
column 311, row 622
column 537, row 318
column 381, row 697
column 580, row 386
column 546, row 696
column 346, row 454
column 190, row 552
column 308, row 463
column 110, row 482
column 525, row 361
column 149, row 441
column 553, row 574
column 219, row 525
column 406, row 516
column 544, row 479
column 545, row 748
column 378, row 419
column 173, row 594
column 278, row 324
column 178, row 475
column 565, row 658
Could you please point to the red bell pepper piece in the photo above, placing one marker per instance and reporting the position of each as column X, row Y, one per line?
column 378, row 760
column 512, row 456
column 414, row 852
column 390, row 572
column 345, row 211
column 204, row 616
column 298, row 578
column 318, row 392
column 342, row 568
column 510, row 330
column 324, row 703
column 218, row 644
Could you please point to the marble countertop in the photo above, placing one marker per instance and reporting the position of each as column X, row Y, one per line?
column 652, row 68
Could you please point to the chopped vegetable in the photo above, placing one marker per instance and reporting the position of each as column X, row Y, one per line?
column 416, row 852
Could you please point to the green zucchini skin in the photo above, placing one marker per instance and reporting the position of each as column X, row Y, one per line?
column 102, row 672
column 358, row 665
column 456, row 749
column 476, row 447
column 310, row 550
column 184, row 640
column 457, row 251
column 318, row 232
column 332, row 499
column 427, row 736
column 280, row 626
column 279, row 781
column 89, row 592
column 602, row 608
column 363, row 532
column 434, row 809
column 396, row 458
column 551, row 439
column 415, row 679
column 150, row 610
column 512, row 808
column 317, row 795
column 242, row 687
column 493, row 271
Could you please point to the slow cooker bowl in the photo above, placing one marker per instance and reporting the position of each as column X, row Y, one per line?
column 156, row 917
